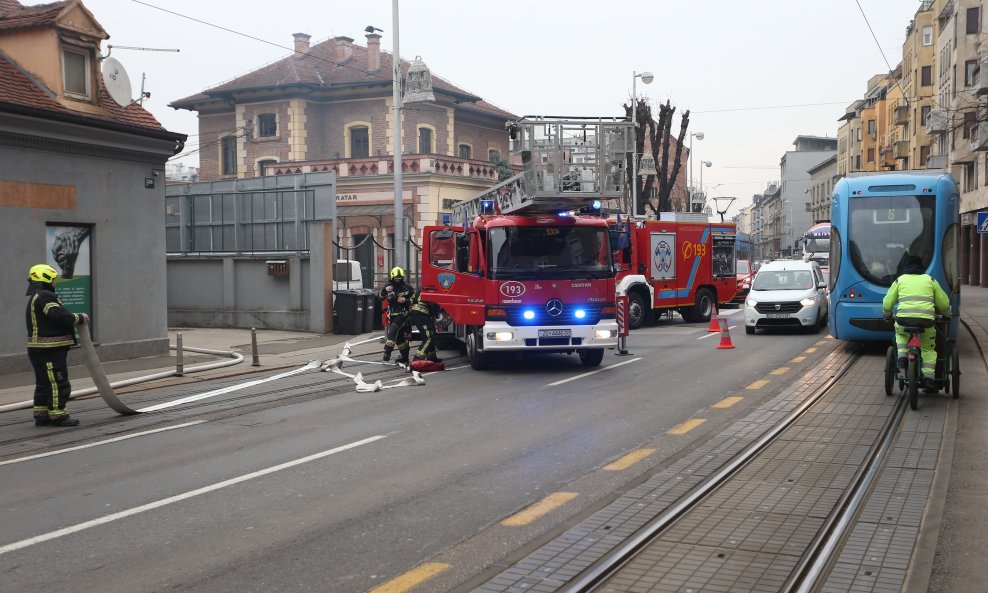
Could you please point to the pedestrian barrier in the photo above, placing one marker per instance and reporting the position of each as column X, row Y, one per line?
column 725, row 334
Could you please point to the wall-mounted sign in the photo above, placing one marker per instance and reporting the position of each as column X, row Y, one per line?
column 343, row 198
column 69, row 252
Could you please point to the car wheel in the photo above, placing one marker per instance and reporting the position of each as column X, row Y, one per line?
column 749, row 330
column 591, row 357
column 637, row 313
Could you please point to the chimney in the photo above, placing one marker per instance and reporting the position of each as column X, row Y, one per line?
column 301, row 42
column 373, row 51
column 342, row 49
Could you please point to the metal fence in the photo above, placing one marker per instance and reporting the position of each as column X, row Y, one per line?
column 241, row 222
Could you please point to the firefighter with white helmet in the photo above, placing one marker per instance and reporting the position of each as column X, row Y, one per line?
column 400, row 297
column 49, row 336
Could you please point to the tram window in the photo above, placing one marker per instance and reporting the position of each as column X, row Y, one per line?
column 884, row 230
column 950, row 257
column 835, row 255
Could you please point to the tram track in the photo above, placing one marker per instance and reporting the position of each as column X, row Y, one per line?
column 813, row 565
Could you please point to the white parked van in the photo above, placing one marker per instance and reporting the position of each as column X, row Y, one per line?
column 787, row 293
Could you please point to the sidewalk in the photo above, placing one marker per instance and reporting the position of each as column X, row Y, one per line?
column 276, row 350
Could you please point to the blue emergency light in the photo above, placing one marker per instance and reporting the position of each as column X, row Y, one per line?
column 487, row 207
column 528, row 314
column 579, row 313
column 446, row 219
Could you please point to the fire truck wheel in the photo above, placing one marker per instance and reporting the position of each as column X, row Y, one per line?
column 477, row 358
column 591, row 358
column 699, row 312
column 638, row 315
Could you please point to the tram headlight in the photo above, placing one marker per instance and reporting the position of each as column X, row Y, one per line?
column 808, row 301
column 751, row 303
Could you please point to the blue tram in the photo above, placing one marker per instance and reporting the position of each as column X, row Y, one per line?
column 877, row 220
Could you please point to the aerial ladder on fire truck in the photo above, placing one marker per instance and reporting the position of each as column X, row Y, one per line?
column 567, row 163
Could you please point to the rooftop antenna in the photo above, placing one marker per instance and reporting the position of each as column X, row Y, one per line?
column 117, row 81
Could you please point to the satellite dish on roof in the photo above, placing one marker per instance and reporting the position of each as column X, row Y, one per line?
column 116, row 81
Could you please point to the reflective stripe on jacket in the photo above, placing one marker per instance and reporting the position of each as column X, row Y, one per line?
column 916, row 295
column 49, row 323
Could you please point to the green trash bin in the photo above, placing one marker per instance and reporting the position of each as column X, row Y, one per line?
column 349, row 308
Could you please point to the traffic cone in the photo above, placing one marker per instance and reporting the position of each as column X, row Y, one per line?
column 725, row 335
column 714, row 326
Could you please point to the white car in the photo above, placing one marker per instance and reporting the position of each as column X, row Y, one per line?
column 787, row 293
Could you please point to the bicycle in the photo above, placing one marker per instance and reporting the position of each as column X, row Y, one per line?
column 910, row 378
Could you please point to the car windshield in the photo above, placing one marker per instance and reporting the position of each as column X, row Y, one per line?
column 519, row 253
column 783, row 280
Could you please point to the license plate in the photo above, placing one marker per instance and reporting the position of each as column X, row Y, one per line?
column 777, row 315
column 555, row 333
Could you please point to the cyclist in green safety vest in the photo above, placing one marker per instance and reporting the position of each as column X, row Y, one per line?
column 916, row 295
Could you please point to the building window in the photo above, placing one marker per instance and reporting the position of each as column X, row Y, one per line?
column 970, row 72
column 926, row 76
column 75, row 73
column 924, row 114
column 859, row 134
column 924, row 153
column 228, row 155
column 267, row 125
column 464, row 151
column 872, row 129
column 857, row 162
column 928, row 35
column 973, row 20
column 970, row 121
column 425, row 141
column 871, row 155
column 493, row 154
column 265, row 167
column 359, row 142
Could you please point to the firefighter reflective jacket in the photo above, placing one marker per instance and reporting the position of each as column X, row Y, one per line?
column 917, row 296
column 49, row 323
column 399, row 289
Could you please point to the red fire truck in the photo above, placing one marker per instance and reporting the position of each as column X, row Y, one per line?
column 680, row 262
column 525, row 271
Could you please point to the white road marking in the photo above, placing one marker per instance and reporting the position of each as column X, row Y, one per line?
column 192, row 398
column 715, row 333
column 103, row 442
column 607, row 368
column 24, row 543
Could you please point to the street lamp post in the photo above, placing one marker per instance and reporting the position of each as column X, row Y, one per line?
column 647, row 78
column 396, row 135
column 703, row 195
column 699, row 136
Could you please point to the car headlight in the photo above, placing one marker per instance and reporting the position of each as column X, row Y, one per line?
column 751, row 302
column 808, row 301
column 500, row 336
column 603, row 334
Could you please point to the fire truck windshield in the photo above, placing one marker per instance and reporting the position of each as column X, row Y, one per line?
column 532, row 252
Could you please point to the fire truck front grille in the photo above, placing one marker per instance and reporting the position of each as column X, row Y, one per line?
column 568, row 316
column 778, row 307
column 553, row 341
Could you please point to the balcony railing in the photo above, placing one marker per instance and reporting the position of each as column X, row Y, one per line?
column 384, row 165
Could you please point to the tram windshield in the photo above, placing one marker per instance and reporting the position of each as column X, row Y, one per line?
column 519, row 253
column 884, row 230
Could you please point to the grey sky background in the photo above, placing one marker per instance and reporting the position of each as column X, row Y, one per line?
column 734, row 64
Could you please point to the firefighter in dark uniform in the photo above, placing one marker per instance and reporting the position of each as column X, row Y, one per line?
column 49, row 336
column 400, row 298
column 423, row 317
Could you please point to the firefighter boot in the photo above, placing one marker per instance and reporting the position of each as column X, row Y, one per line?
column 403, row 356
column 41, row 419
column 64, row 420
column 387, row 353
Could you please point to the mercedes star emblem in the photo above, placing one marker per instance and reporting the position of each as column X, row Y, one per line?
column 554, row 307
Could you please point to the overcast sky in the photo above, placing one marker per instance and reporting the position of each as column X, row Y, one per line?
column 737, row 65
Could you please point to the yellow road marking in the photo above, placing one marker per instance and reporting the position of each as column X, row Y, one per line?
column 798, row 359
column 628, row 460
column 687, row 426
column 810, row 350
column 758, row 384
column 821, row 343
column 412, row 578
column 542, row 507
column 727, row 402
column 780, row 371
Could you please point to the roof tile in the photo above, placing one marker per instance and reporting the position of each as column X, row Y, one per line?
column 40, row 15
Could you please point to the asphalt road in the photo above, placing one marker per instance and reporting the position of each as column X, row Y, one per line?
column 303, row 484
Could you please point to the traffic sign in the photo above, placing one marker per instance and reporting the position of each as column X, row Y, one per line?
column 983, row 222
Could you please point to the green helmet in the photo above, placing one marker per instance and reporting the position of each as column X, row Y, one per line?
column 396, row 272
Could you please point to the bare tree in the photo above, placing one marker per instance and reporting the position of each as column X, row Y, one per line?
column 657, row 132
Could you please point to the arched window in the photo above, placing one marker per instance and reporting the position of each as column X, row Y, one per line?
column 266, row 166
column 464, row 151
column 357, row 139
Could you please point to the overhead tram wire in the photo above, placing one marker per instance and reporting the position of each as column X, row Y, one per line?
column 882, row 51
